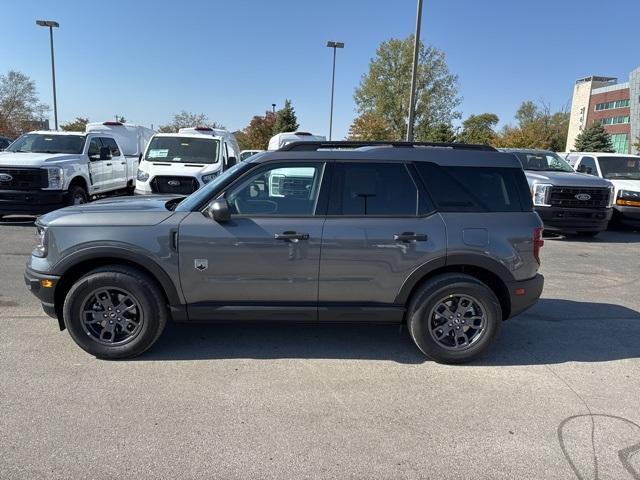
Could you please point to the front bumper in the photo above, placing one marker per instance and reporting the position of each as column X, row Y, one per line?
column 30, row 202
column 627, row 215
column 524, row 294
column 559, row 219
column 46, row 295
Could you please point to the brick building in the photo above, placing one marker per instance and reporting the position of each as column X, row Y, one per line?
column 615, row 105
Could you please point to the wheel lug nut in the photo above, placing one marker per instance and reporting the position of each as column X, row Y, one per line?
column 457, row 328
column 111, row 321
column 451, row 325
column 104, row 315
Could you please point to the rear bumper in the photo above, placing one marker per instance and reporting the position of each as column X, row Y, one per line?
column 524, row 294
column 33, row 280
column 628, row 215
column 30, row 202
column 560, row 219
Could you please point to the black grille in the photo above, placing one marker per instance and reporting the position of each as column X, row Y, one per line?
column 23, row 178
column 184, row 186
column 568, row 197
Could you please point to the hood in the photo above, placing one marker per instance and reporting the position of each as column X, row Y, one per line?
column 633, row 185
column 565, row 179
column 15, row 159
column 117, row 211
column 180, row 169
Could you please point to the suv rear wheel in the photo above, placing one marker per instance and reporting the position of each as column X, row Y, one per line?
column 454, row 318
column 115, row 312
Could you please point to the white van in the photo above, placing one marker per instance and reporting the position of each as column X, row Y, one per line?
column 180, row 163
column 281, row 139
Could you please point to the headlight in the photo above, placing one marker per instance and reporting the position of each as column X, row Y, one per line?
column 540, row 193
column 612, row 192
column 628, row 198
column 210, row 176
column 55, row 178
column 41, row 242
column 142, row 175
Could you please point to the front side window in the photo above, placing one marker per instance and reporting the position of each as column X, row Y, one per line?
column 365, row 189
column 620, row 168
column 113, row 146
column 183, row 150
column 45, row 143
column 548, row 162
column 290, row 189
column 588, row 166
column 94, row 147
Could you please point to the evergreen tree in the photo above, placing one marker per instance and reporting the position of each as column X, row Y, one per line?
column 441, row 132
column 286, row 120
column 594, row 138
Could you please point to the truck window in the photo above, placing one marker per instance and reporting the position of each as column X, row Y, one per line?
column 620, row 168
column 113, row 146
column 588, row 166
column 183, row 150
column 94, row 147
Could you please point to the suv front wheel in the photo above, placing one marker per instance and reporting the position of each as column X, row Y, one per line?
column 115, row 312
column 454, row 318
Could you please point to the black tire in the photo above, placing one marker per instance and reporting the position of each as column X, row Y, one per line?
column 421, row 319
column 76, row 195
column 589, row 234
column 150, row 308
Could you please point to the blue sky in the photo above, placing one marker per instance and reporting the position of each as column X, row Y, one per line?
column 148, row 59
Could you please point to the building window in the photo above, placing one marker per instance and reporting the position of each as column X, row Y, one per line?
column 612, row 105
column 620, row 142
column 622, row 119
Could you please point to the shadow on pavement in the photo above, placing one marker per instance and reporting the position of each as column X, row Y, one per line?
column 18, row 221
column 553, row 331
column 608, row 236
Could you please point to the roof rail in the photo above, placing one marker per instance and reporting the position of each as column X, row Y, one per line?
column 314, row 145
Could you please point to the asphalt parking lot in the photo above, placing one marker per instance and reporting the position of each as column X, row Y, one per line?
column 558, row 396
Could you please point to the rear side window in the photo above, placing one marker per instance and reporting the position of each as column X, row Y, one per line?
column 113, row 146
column 365, row 189
column 476, row 189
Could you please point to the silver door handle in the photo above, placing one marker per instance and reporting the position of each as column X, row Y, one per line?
column 109, row 164
column 409, row 236
column 288, row 236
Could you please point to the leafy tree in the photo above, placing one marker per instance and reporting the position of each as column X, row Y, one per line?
column 537, row 127
column 256, row 135
column 286, row 120
column 78, row 125
column 186, row 119
column 594, row 138
column 370, row 126
column 19, row 104
column 384, row 89
column 121, row 119
column 479, row 128
column 442, row 132
column 637, row 145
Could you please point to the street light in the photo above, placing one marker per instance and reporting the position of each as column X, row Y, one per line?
column 414, row 73
column 51, row 24
column 273, row 107
column 333, row 45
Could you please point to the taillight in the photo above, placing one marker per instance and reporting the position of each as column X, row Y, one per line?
column 538, row 242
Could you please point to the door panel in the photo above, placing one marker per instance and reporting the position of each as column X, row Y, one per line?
column 362, row 263
column 97, row 168
column 247, row 265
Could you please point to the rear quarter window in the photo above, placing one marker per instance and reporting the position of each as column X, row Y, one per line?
column 476, row 189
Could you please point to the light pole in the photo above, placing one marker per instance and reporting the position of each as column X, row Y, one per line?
column 333, row 45
column 414, row 74
column 273, row 107
column 51, row 24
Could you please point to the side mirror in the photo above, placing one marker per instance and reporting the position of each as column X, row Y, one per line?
column 105, row 153
column 218, row 210
column 231, row 161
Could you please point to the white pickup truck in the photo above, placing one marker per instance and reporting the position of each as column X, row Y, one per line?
column 45, row 170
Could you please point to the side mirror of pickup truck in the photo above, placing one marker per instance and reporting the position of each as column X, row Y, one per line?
column 218, row 210
column 231, row 161
column 105, row 153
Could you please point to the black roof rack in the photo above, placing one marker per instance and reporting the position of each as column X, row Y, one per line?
column 314, row 145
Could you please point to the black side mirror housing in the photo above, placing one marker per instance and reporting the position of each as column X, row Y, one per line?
column 105, row 153
column 218, row 210
column 231, row 161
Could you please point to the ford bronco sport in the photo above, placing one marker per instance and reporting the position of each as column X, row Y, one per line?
column 442, row 237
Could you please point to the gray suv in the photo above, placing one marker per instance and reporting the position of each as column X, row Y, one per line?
column 442, row 237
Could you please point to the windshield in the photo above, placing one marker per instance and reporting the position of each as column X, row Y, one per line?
column 46, row 143
column 544, row 162
column 199, row 196
column 627, row 168
column 183, row 150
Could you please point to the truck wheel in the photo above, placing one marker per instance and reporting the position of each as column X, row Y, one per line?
column 76, row 195
column 115, row 312
column 454, row 318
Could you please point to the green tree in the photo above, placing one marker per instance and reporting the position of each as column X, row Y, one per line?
column 442, row 132
column 286, row 120
column 369, row 127
column 479, row 128
column 594, row 138
column 637, row 145
column 186, row 119
column 20, row 107
column 384, row 89
column 78, row 125
column 256, row 135
column 537, row 127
